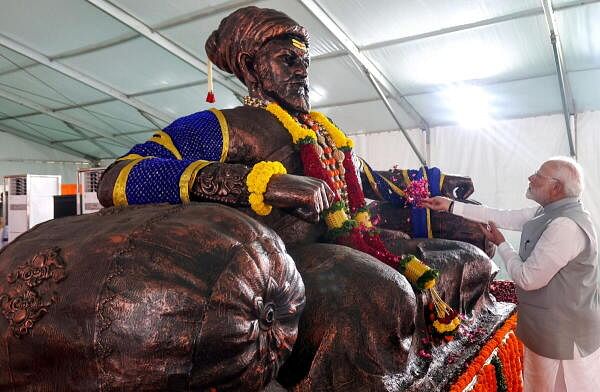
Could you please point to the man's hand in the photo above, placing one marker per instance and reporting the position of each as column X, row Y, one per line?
column 457, row 187
column 492, row 233
column 309, row 195
column 437, row 203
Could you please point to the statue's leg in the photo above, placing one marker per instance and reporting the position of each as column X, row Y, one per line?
column 465, row 270
column 443, row 225
column 358, row 324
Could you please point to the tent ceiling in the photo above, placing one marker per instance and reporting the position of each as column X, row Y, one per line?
column 85, row 74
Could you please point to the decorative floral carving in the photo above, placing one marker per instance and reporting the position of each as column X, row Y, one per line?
column 222, row 183
column 22, row 302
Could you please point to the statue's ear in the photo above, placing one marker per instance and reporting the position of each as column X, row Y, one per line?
column 247, row 66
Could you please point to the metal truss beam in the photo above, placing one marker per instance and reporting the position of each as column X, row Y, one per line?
column 563, row 83
column 171, row 47
column 363, row 61
column 94, row 142
column 238, row 3
column 80, row 77
column 106, row 100
column 129, row 133
column 453, row 29
column 204, row 12
column 391, row 110
column 27, row 136
column 57, row 115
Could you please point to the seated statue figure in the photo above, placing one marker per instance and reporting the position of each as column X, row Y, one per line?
column 293, row 170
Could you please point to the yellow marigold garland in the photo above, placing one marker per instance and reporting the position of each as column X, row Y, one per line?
column 336, row 219
column 363, row 218
column 299, row 134
column 418, row 273
column 302, row 134
column 423, row 277
column 443, row 328
column 339, row 138
column 257, row 181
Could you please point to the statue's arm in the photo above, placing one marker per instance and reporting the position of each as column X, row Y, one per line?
column 389, row 185
column 168, row 180
column 187, row 161
column 183, row 162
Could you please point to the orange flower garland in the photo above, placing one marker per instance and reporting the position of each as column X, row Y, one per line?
column 480, row 374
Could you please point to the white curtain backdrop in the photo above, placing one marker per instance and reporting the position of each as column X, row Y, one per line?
column 499, row 158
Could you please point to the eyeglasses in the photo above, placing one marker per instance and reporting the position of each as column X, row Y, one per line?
column 540, row 175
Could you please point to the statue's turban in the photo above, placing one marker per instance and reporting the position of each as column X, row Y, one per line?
column 246, row 31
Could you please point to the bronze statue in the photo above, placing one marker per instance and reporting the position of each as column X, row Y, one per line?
column 267, row 51
column 294, row 172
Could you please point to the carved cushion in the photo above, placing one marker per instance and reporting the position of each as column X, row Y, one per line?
column 155, row 297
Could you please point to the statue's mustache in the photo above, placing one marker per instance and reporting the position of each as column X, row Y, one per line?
column 298, row 84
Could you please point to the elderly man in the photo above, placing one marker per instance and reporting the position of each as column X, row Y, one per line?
column 556, row 274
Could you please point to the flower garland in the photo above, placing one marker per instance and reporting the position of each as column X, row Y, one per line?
column 445, row 319
column 352, row 201
column 417, row 273
column 326, row 154
column 300, row 135
column 416, row 191
column 257, row 181
column 337, row 135
column 499, row 370
column 509, row 350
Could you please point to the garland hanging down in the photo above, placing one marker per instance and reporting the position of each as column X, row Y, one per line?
column 326, row 154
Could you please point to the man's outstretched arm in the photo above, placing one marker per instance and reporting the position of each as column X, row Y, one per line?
column 505, row 219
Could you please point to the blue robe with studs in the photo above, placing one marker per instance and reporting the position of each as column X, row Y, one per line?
column 156, row 168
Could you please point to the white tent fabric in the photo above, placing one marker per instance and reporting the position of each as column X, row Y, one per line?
column 39, row 160
column 420, row 47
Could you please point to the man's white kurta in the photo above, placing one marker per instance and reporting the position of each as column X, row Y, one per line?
column 560, row 243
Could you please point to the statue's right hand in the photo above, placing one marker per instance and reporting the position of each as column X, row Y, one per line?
column 309, row 195
column 437, row 203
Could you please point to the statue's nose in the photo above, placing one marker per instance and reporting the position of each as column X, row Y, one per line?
column 301, row 71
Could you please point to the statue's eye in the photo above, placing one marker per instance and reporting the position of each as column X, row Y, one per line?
column 288, row 59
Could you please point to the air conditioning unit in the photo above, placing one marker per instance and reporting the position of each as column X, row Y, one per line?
column 29, row 201
column 3, row 211
column 87, row 187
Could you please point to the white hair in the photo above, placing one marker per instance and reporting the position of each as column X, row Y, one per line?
column 569, row 173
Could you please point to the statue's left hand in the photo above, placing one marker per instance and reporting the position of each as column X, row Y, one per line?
column 308, row 196
column 457, row 187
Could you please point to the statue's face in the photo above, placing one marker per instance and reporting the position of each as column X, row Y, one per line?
column 281, row 68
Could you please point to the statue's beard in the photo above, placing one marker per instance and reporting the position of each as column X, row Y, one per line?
column 292, row 96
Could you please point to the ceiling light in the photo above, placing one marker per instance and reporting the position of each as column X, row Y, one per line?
column 469, row 105
column 460, row 61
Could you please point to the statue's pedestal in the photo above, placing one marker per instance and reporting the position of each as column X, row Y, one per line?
column 482, row 348
column 485, row 356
